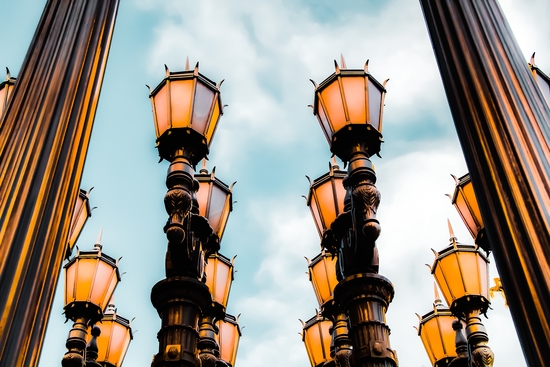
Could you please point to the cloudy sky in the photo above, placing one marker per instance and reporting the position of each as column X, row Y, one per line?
column 267, row 141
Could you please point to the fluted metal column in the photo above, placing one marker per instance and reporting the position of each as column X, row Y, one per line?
column 503, row 123
column 44, row 138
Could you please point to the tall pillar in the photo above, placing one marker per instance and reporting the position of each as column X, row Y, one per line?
column 503, row 123
column 44, row 137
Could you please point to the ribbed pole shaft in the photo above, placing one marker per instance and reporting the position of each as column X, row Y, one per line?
column 503, row 123
column 44, row 138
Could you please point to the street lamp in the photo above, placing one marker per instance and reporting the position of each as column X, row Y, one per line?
column 186, row 109
column 114, row 339
column 228, row 337
column 90, row 280
column 316, row 335
column 461, row 272
column 348, row 106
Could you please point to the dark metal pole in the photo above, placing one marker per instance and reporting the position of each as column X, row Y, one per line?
column 44, row 137
column 503, row 123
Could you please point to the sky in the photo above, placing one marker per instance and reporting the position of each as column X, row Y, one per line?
column 268, row 140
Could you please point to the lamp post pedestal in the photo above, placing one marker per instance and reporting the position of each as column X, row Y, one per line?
column 365, row 298
column 482, row 355
column 76, row 344
column 179, row 301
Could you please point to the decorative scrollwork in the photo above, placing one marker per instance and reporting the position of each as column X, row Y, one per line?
column 366, row 199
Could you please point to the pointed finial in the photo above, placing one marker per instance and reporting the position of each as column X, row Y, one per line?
column 437, row 299
column 166, row 70
column 366, row 67
column 8, row 75
column 203, row 170
column 385, row 82
column 343, row 62
column 196, row 70
column 186, row 63
column 220, row 83
column 451, row 233
column 336, row 67
column 98, row 245
column 419, row 317
column 533, row 59
column 335, row 165
column 314, row 84
column 454, row 178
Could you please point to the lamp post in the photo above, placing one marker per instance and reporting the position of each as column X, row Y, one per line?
column 186, row 110
column 349, row 105
column 90, row 280
column 461, row 272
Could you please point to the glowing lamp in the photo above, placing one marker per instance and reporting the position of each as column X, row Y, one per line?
column 436, row 332
column 215, row 200
column 6, row 87
column 349, row 105
column 116, row 335
column 90, row 280
column 186, row 109
column 326, row 198
column 228, row 337
column 322, row 274
column 462, row 273
column 316, row 335
column 81, row 213
column 465, row 202
column 219, row 275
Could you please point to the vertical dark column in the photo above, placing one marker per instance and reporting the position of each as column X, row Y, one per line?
column 503, row 124
column 44, row 138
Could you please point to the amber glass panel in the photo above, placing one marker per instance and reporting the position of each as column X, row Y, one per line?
column 323, row 277
column 104, row 284
column 79, row 218
column 375, row 100
column 181, row 100
column 217, row 208
column 5, row 92
column 440, row 274
column 322, row 117
column 543, row 84
column 453, row 276
column 84, row 278
column 70, row 274
column 204, row 99
column 438, row 337
column 228, row 339
column 218, row 279
column 466, row 215
column 316, row 216
column 317, row 339
column 325, row 198
column 161, row 106
column 356, row 98
column 203, row 196
column 483, row 276
column 334, row 108
column 213, row 122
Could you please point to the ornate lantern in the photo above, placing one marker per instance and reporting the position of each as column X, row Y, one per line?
column 349, row 105
column 316, row 335
column 228, row 337
column 462, row 273
column 186, row 109
column 81, row 213
column 90, row 280
column 219, row 275
column 542, row 79
column 436, row 332
column 215, row 200
column 6, row 87
column 326, row 197
column 116, row 335
column 322, row 275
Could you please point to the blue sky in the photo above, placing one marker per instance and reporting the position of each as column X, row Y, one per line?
column 267, row 141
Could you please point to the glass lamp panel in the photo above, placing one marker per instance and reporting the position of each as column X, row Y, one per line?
column 462, row 208
column 483, row 276
column 322, row 273
column 317, row 338
column 104, row 284
column 356, row 98
column 327, row 203
column 203, row 196
column 375, row 103
column 544, row 84
column 70, row 281
column 160, row 109
column 334, row 108
column 181, row 102
column 322, row 117
column 218, row 209
column 202, row 106
column 228, row 339
column 440, row 276
column 84, row 279
column 438, row 337
column 316, row 217
column 114, row 340
column 213, row 122
column 219, row 274
column 454, row 276
column 81, row 214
